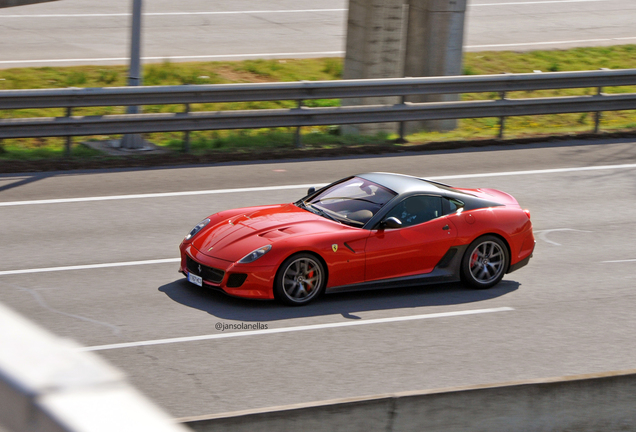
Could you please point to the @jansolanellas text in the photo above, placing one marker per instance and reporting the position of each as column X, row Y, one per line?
column 221, row 326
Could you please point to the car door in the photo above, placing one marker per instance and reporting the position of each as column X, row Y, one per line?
column 416, row 247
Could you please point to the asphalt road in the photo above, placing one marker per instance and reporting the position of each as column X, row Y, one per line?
column 88, row 32
column 570, row 311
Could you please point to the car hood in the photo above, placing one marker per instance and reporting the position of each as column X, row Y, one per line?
column 232, row 238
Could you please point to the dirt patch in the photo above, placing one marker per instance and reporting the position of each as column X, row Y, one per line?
column 232, row 75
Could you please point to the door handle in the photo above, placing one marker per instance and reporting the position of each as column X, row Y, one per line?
column 446, row 227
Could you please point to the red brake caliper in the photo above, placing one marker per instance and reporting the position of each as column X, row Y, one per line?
column 309, row 276
column 473, row 259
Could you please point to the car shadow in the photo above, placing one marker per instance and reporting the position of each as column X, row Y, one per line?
column 348, row 304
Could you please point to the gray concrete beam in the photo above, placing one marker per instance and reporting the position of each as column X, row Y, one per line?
column 11, row 3
column 584, row 403
column 48, row 385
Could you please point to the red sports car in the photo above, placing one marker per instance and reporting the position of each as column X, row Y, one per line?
column 374, row 230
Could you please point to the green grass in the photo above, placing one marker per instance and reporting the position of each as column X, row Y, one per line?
column 617, row 57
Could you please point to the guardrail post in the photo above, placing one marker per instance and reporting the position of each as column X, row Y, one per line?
column 598, row 114
column 297, row 138
column 597, row 117
column 502, row 120
column 69, row 138
column 402, row 129
column 186, row 135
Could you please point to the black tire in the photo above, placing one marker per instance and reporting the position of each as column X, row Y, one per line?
column 300, row 279
column 485, row 262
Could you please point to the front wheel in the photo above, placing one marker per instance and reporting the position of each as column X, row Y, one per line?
column 300, row 279
column 485, row 262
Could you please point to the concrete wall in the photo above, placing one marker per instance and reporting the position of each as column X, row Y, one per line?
column 588, row 403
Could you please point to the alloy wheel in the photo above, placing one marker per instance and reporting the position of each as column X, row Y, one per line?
column 302, row 279
column 487, row 262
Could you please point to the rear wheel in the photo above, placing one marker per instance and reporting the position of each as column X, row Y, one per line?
column 300, row 279
column 485, row 262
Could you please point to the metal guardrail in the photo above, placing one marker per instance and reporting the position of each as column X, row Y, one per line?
column 298, row 117
column 305, row 116
column 305, row 90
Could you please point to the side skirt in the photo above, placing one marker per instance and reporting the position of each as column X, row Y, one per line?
column 447, row 270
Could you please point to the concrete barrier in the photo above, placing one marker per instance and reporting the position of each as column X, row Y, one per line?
column 12, row 3
column 47, row 385
column 597, row 402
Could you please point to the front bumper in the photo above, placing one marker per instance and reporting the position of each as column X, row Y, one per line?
column 240, row 280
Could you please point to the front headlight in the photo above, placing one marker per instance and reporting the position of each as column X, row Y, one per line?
column 254, row 255
column 197, row 228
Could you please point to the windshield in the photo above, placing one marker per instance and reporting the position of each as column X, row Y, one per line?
column 352, row 201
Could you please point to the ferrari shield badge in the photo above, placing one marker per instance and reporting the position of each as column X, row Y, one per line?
column 334, row 247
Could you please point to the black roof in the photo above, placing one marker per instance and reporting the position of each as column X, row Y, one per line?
column 407, row 185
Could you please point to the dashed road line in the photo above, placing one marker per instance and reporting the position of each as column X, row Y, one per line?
column 89, row 266
column 149, row 14
column 302, row 186
column 620, row 261
column 580, row 41
column 293, row 329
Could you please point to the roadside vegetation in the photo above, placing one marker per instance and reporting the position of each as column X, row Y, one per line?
column 616, row 57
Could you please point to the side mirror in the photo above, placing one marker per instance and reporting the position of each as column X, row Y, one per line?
column 391, row 222
column 311, row 190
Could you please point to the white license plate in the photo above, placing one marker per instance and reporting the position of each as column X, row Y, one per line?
column 197, row 280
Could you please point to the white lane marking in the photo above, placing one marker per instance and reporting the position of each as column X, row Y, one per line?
column 543, row 234
column 620, row 261
column 196, row 57
column 293, row 329
column 285, row 54
column 531, row 172
column 551, row 43
column 161, row 195
column 127, row 14
column 535, row 2
column 281, row 11
column 301, row 186
column 89, row 266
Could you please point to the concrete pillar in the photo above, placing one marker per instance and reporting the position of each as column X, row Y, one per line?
column 434, row 47
column 374, row 49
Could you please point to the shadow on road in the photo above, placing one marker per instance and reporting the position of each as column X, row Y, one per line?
column 222, row 306
column 21, row 180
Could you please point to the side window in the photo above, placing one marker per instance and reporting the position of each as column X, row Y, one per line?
column 417, row 209
column 453, row 205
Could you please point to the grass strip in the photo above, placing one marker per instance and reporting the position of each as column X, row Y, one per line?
column 324, row 137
